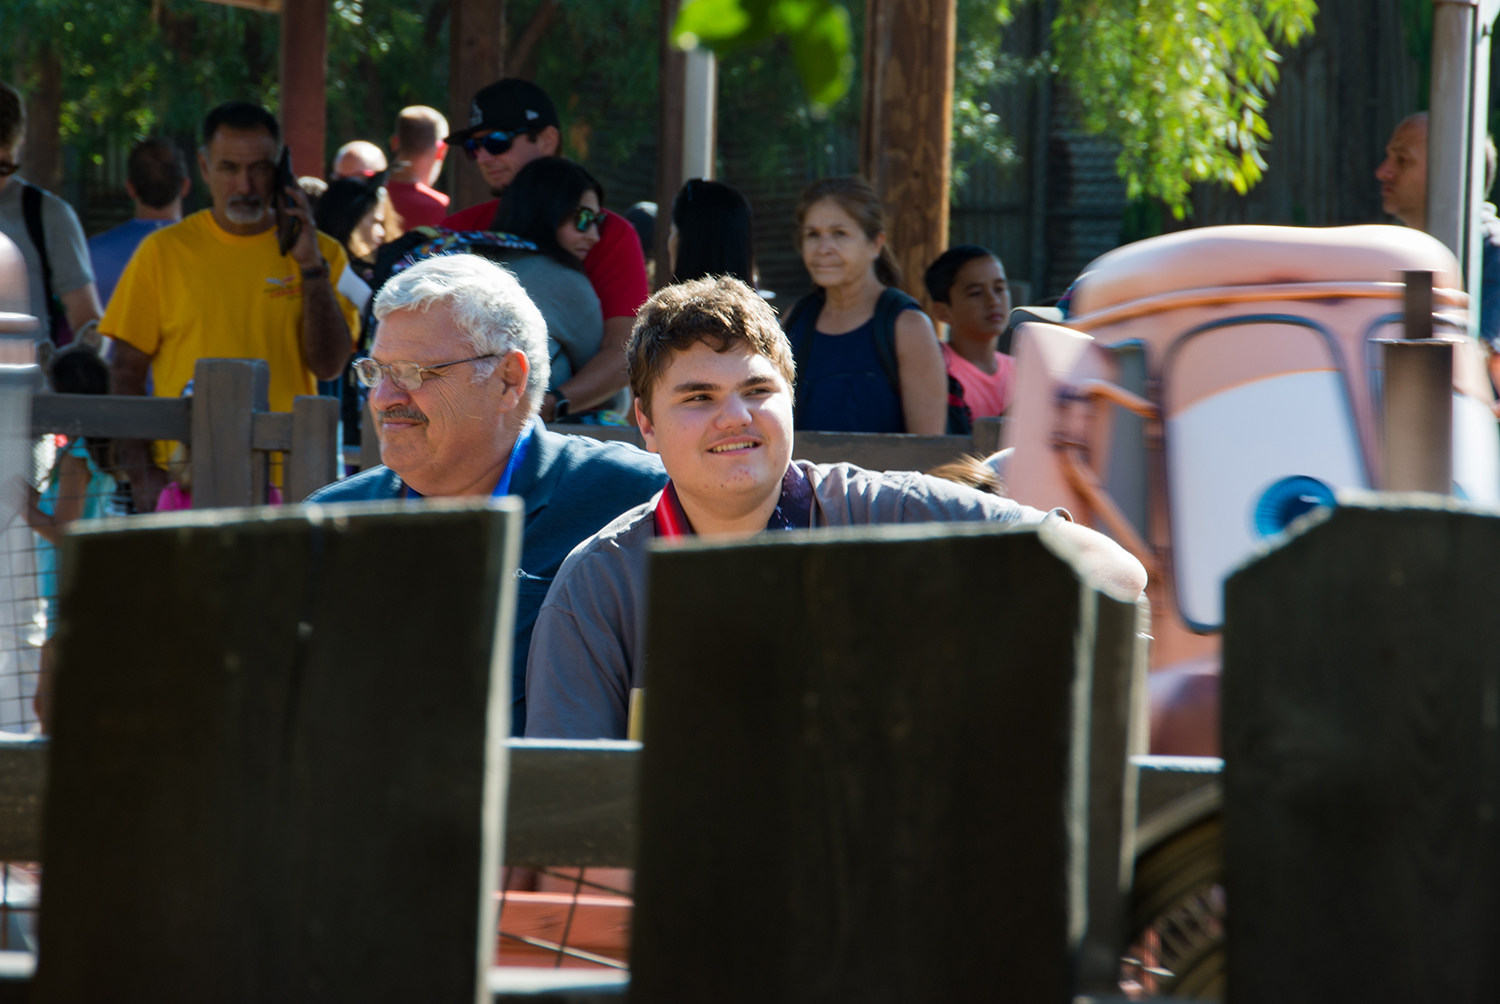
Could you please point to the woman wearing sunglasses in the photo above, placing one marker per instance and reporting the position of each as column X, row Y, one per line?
column 557, row 205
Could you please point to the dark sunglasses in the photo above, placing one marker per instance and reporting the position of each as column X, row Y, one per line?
column 494, row 143
column 588, row 217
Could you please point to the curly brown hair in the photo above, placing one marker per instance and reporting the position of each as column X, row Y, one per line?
column 722, row 312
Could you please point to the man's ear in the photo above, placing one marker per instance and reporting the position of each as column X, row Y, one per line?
column 550, row 140
column 187, row 186
column 130, row 191
column 514, row 369
column 643, row 421
column 942, row 312
column 203, row 163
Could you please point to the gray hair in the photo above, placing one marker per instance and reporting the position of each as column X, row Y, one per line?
column 487, row 304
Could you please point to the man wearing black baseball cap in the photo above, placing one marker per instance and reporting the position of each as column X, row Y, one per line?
column 511, row 123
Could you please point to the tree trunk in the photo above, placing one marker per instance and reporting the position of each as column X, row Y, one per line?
column 671, row 101
column 42, row 158
column 304, row 83
column 907, row 125
column 476, row 45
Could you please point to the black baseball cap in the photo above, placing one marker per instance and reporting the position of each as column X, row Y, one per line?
column 509, row 105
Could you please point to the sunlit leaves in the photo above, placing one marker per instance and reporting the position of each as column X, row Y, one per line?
column 816, row 30
column 1181, row 85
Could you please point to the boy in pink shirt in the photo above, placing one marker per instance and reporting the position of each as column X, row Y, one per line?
column 969, row 294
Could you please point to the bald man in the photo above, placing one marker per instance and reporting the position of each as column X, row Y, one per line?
column 1403, row 194
column 358, row 160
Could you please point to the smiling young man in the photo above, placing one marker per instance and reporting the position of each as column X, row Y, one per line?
column 712, row 374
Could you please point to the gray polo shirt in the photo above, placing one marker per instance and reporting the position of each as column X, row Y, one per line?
column 588, row 648
column 66, row 250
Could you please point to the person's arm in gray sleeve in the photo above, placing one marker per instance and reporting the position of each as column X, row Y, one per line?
column 578, row 671
column 919, row 498
column 72, row 269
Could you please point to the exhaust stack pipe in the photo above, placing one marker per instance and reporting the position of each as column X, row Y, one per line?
column 1417, row 414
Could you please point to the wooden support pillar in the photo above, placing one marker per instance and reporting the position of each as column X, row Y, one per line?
column 907, row 123
column 304, row 82
column 671, row 106
column 476, row 57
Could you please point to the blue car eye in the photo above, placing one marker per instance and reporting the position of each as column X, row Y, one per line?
column 1287, row 499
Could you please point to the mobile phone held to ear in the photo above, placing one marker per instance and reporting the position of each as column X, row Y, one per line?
column 287, row 225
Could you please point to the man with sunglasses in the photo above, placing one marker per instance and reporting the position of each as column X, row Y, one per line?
column 59, row 276
column 511, row 123
column 456, row 375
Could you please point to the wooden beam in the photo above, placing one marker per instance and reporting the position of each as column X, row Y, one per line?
column 671, row 106
column 476, row 57
column 304, row 83
column 907, row 124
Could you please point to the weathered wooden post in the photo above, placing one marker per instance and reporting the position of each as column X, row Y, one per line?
column 291, row 794
column 226, row 394
column 1361, row 718
column 870, row 764
column 315, row 458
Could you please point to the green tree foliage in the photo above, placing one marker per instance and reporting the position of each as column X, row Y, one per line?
column 816, row 32
column 1180, row 83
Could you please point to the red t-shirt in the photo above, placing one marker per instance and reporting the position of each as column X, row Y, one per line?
column 418, row 205
column 616, row 266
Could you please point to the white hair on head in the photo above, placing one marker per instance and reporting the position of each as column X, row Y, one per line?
column 487, row 303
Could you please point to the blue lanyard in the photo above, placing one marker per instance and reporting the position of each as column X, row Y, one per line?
column 517, row 457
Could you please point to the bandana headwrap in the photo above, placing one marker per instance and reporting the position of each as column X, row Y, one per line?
column 793, row 511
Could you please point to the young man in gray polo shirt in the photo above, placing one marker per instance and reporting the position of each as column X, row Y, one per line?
column 712, row 375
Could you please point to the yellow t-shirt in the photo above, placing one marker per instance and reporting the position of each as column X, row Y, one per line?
column 193, row 291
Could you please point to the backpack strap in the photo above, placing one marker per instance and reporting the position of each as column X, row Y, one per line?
column 808, row 308
column 31, row 209
column 890, row 306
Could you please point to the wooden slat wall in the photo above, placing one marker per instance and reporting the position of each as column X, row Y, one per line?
column 282, row 793
column 828, row 780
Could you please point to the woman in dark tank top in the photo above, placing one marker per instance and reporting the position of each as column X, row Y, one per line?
column 843, row 384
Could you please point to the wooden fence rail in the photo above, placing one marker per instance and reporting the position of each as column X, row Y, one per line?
column 227, row 423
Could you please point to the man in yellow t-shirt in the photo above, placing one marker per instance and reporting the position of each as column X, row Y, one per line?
column 217, row 286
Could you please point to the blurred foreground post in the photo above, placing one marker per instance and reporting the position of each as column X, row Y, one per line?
column 901, row 776
column 284, row 791
column 1361, row 711
column 907, row 124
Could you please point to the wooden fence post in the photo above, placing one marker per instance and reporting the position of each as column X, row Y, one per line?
column 1361, row 718
column 274, row 802
column 877, row 787
column 225, row 394
column 314, row 458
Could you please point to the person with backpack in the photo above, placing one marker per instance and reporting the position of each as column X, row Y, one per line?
column 60, row 278
column 868, row 359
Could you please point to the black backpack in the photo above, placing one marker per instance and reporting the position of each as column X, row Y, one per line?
column 890, row 305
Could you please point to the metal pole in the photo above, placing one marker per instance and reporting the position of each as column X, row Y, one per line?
column 699, row 114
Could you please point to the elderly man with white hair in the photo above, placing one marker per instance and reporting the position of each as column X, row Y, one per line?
column 456, row 375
